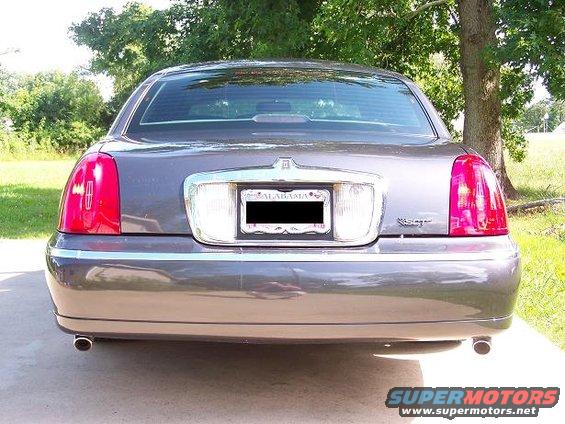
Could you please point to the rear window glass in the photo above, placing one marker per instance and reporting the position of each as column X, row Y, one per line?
column 280, row 98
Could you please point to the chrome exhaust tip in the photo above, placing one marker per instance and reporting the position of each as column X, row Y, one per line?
column 82, row 343
column 481, row 345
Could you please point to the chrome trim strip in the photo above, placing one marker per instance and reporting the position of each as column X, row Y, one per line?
column 287, row 333
column 157, row 76
column 290, row 324
column 240, row 256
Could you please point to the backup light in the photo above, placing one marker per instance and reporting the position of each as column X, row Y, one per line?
column 354, row 206
column 214, row 211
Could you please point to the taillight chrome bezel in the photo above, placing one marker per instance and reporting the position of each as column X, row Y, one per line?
column 283, row 171
column 476, row 201
column 90, row 203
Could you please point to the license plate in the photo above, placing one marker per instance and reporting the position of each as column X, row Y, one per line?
column 297, row 211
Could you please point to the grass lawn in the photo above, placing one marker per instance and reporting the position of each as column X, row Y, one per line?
column 540, row 235
column 541, row 302
column 29, row 196
column 30, row 191
column 542, row 174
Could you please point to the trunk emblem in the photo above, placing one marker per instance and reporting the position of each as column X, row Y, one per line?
column 284, row 163
column 413, row 222
column 88, row 195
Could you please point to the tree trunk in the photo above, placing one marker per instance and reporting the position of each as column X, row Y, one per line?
column 481, row 87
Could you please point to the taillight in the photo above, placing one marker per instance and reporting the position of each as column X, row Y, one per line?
column 91, row 202
column 476, row 203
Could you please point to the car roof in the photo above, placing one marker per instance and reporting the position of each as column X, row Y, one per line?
column 279, row 63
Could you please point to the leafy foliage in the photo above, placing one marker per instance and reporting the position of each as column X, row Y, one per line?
column 138, row 41
column 516, row 93
column 532, row 120
column 128, row 45
column 417, row 38
column 64, row 111
column 392, row 35
column 531, row 45
column 8, row 84
column 532, row 36
column 232, row 29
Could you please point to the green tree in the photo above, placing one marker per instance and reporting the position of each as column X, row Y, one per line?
column 393, row 34
column 532, row 36
column 532, row 119
column 233, row 29
column 480, row 55
column 556, row 114
column 65, row 111
column 138, row 41
column 129, row 45
column 516, row 39
column 8, row 84
column 132, row 44
column 421, row 42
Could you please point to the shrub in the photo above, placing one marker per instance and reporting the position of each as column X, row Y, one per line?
column 64, row 112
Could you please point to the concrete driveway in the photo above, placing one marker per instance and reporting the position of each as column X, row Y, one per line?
column 44, row 379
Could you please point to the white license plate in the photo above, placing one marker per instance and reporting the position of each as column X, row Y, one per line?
column 271, row 211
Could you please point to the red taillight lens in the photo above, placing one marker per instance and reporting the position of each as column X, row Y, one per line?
column 476, row 204
column 91, row 202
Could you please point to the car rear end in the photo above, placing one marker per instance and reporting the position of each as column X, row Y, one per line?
column 298, row 218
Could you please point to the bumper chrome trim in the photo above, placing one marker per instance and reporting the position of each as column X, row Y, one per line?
column 281, row 257
column 285, row 333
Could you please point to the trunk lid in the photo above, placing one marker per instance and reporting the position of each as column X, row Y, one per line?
column 152, row 174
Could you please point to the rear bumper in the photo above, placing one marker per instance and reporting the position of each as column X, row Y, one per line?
column 395, row 289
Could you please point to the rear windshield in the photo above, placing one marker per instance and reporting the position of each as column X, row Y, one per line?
column 279, row 99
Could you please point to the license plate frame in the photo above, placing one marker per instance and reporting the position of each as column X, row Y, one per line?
column 323, row 193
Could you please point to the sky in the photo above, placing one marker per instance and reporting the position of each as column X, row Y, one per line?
column 38, row 29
